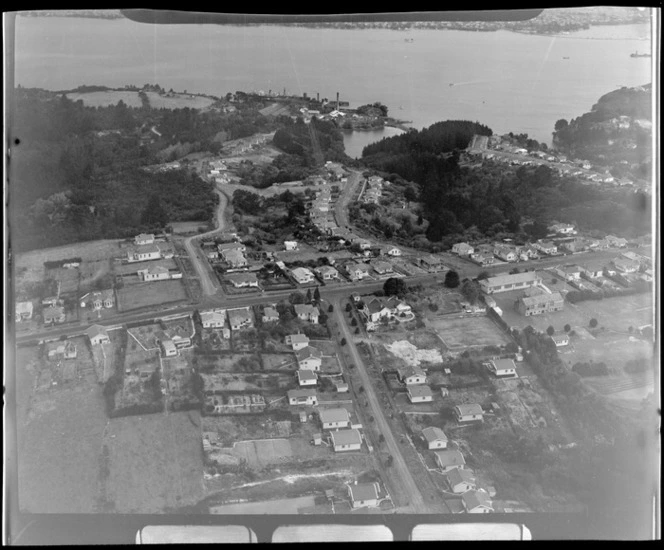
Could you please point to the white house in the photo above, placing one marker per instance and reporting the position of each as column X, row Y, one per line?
column 270, row 314
column 560, row 340
column 23, row 311
column 327, row 273
column 412, row 376
column 235, row 258
column 449, row 459
column 302, row 275
column 97, row 335
column 547, row 247
column 305, row 396
column 462, row 249
column 144, row 253
column 290, row 245
column 625, row 265
column 309, row 358
column 461, row 480
column 505, row 253
column 476, row 502
column 98, row 299
column 307, row 312
column 469, row 413
column 144, row 238
column 240, row 318
column 306, row 377
column 167, row 346
column 297, row 341
column 502, row 368
column 243, row 280
column 420, row 394
column 435, row 438
column 562, row 228
column 213, row 319
column 346, row 440
column 514, row 281
column 356, row 272
column 154, row 273
column 363, row 495
column 391, row 251
column 334, row 418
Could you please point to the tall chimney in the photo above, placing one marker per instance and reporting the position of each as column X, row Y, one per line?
column 337, row 101
column 317, row 97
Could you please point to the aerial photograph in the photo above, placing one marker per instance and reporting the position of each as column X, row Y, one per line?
column 355, row 267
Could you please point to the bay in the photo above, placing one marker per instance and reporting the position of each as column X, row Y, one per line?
column 506, row 80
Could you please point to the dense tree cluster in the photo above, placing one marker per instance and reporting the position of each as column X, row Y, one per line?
column 314, row 142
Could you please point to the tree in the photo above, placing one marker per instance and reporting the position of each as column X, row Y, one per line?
column 554, row 281
column 395, row 287
column 343, row 342
column 592, row 323
column 357, row 330
column 451, row 279
column 483, row 276
column 296, row 298
column 470, row 291
column 309, row 297
column 354, row 322
column 331, row 308
column 154, row 214
column 567, row 328
column 550, row 331
column 317, row 295
column 349, row 307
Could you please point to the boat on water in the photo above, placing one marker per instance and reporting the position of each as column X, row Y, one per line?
column 565, row 57
column 637, row 54
column 451, row 83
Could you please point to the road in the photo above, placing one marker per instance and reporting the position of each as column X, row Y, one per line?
column 402, row 479
column 341, row 208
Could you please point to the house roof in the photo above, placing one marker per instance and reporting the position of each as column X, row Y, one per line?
column 560, row 338
column 432, row 434
column 233, row 255
column 420, row 391
column 363, row 491
column 346, row 437
column 307, row 392
column 156, row 270
column 96, row 330
column 464, row 246
column 539, row 299
column 334, row 415
column 242, row 277
column 326, row 269
column 432, row 260
column 301, row 272
column 460, row 475
column 472, row 408
column 53, row 311
column 24, row 307
column 514, row 278
column 299, row 338
column 450, row 457
column 381, row 265
column 230, row 246
column 308, row 352
column 501, row 364
column 306, row 309
column 625, row 263
column 306, row 374
column 239, row 315
column 270, row 312
column 473, row 499
column 213, row 316
column 144, row 236
column 405, row 372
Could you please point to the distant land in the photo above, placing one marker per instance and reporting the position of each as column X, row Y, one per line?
column 550, row 21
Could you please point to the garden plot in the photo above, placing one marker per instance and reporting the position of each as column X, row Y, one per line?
column 463, row 332
column 67, row 277
column 412, row 355
column 279, row 361
column 237, row 362
column 143, row 337
column 150, row 294
column 213, row 340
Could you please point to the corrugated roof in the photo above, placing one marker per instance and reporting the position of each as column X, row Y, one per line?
column 334, row 415
column 346, row 437
column 450, row 457
column 432, row 433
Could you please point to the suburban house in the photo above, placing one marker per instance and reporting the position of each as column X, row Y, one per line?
column 53, row 314
column 469, row 413
column 166, row 345
column 356, row 272
column 505, row 253
column 364, row 244
column 309, row 358
column 379, row 308
column 476, row 502
column 270, row 314
column 528, row 252
column 97, row 335
column 212, row 254
column 99, row 299
column 482, row 259
column 290, row 245
column 432, row 263
column 502, row 368
column 435, row 438
column 547, row 247
column 327, row 273
column 540, row 303
column 144, row 253
column 215, row 318
column 307, row 312
column 647, row 275
column 462, row 249
column 235, row 258
column 346, row 440
column 574, row 245
column 381, row 267
column 303, row 397
column 297, row 341
column 560, row 340
column 592, row 271
column 449, row 459
column 240, row 318
column 225, row 247
column 625, row 265
column 412, row 376
column 391, row 251
column 306, row 377
column 420, row 394
column 144, row 238
column 243, row 280
column 515, row 281
column 154, row 273
column 65, row 350
column 363, row 494
column 332, row 419
column 461, row 480
column 562, row 228
column 568, row 272
column 302, row 275
column 618, row 242
column 23, row 311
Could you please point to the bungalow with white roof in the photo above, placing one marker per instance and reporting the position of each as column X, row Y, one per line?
column 143, row 253
column 462, row 249
column 213, row 319
column 469, row 413
column 449, row 459
column 234, row 258
column 562, row 228
column 309, row 358
column 560, row 340
column 154, row 273
column 547, row 247
column 435, row 438
column 505, row 253
column 307, row 312
column 412, row 375
column 420, row 394
column 363, row 495
column 332, row 419
column 302, row 275
column 23, row 311
column 290, row 245
column 243, row 280
column 225, row 247
column 327, row 273
column 144, row 238
column 502, row 368
column 297, row 341
column 306, row 377
column 391, row 251
column 97, row 335
column 461, row 480
column 346, row 440
column 515, row 281
column 568, row 272
column 305, row 396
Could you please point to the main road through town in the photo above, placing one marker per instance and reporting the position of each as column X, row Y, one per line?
column 402, row 477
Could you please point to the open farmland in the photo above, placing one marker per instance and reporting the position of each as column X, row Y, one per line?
column 150, row 294
column 461, row 332
column 107, row 98
column 178, row 101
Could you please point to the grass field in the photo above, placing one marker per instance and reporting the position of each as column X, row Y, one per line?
column 459, row 333
column 184, row 228
column 150, row 294
column 106, row 98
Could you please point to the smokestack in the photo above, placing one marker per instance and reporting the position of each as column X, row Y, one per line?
column 337, row 101
column 317, row 97
column 269, row 92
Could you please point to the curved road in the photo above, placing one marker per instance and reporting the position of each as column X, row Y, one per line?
column 402, row 477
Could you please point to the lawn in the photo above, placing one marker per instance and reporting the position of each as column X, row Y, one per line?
column 279, row 361
column 463, row 332
column 107, row 98
column 150, row 294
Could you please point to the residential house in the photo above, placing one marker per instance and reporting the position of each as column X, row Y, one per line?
column 307, row 312
column 166, row 345
column 515, row 281
column 243, row 280
column 341, row 387
column 569, row 272
column 412, row 375
column 547, row 247
column 462, row 249
column 213, row 319
column 528, row 252
column 541, row 303
column 309, row 358
column 97, row 335
column 476, row 502
column 363, row 495
column 346, row 440
column 482, row 259
column 381, row 267
column 306, row 377
column 98, row 300
column 376, row 309
column 23, row 311
column 297, row 341
column 302, row 275
column 391, row 251
column 432, row 263
column 53, row 315
column 327, row 273
column 592, row 270
column 235, row 258
column 66, row 350
column 435, row 438
column 154, row 273
column 502, row 368
column 449, row 459
column 420, row 394
column 505, row 253
column 461, row 480
column 303, row 397
column 212, row 254
column 356, row 272
column 144, row 238
column 469, row 413
column 625, row 265
column 240, row 318
column 225, row 247
column 332, row 419
column 364, row 244
column 562, row 228
column 290, row 245
column 144, row 253
column 573, row 245
column 560, row 340
column 614, row 241
column 270, row 314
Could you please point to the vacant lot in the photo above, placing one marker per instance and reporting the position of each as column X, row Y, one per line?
column 279, row 361
column 185, row 228
column 150, row 294
column 93, row 271
column 68, row 278
column 463, row 332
